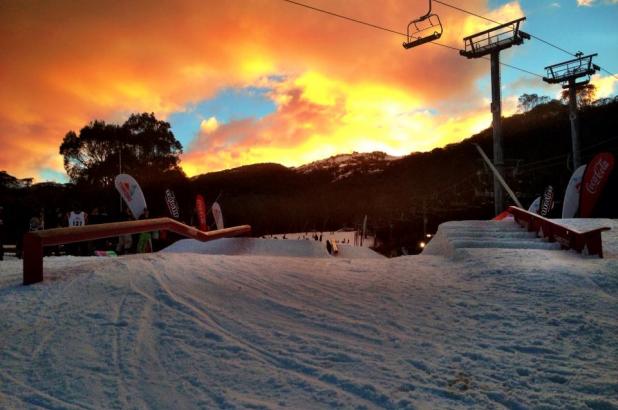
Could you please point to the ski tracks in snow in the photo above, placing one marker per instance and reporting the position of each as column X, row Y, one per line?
column 211, row 331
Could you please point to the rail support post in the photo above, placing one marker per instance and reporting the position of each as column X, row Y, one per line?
column 33, row 259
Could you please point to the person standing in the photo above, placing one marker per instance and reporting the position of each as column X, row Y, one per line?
column 77, row 217
column 144, row 243
column 125, row 242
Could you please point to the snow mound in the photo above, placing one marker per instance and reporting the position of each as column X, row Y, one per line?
column 456, row 235
column 357, row 252
column 267, row 247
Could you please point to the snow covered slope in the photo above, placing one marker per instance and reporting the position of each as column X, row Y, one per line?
column 343, row 166
column 506, row 328
column 268, row 247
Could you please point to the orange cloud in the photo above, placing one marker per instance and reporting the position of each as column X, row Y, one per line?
column 67, row 63
column 317, row 117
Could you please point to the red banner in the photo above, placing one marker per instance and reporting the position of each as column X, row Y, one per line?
column 595, row 178
column 200, row 207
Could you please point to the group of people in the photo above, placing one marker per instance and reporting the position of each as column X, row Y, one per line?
column 124, row 244
column 142, row 241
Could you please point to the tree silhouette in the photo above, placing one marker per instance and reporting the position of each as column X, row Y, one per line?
column 526, row 102
column 585, row 95
column 143, row 147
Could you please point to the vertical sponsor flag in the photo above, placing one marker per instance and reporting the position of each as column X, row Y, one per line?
column 200, row 207
column 547, row 201
column 172, row 204
column 218, row 215
column 535, row 205
column 132, row 194
column 594, row 180
column 572, row 193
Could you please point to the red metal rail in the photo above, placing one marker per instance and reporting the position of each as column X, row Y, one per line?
column 35, row 241
column 589, row 242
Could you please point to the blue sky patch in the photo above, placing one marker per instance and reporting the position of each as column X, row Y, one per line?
column 228, row 105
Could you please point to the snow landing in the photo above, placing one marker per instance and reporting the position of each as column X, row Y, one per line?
column 492, row 328
column 269, row 247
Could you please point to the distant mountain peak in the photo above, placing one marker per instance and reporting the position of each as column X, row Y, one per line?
column 342, row 166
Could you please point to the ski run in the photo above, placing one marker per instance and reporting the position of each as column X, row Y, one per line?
column 266, row 324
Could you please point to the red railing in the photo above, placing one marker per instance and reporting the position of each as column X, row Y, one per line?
column 589, row 242
column 35, row 241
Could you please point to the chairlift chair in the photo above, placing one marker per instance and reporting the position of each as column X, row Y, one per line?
column 423, row 30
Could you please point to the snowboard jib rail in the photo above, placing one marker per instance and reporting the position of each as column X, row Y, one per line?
column 35, row 241
column 589, row 243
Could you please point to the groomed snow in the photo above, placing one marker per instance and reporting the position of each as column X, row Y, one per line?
column 491, row 328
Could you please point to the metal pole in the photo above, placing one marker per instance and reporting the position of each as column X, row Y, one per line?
column 577, row 160
column 498, row 177
column 496, row 110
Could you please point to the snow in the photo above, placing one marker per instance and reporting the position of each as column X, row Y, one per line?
column 271, row 324
column 342, row 236
column 455, row 235
column 343, row 166
column 269, row 247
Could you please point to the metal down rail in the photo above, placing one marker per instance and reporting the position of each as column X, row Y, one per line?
column 588, row 243
column 35, row 241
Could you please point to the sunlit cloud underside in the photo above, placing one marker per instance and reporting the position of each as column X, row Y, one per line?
column 320, row 85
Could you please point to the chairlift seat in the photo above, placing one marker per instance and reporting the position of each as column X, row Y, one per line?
column 421, row 40
column 416, row 33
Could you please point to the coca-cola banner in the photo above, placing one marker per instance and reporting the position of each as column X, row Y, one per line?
column 594, row 181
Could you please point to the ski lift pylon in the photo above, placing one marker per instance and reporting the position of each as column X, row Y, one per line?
column 423, row 30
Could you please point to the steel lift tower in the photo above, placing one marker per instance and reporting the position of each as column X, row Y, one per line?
column 567, row 73
column 491, row 42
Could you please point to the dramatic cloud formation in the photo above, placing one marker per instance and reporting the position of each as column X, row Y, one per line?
column 337, row 86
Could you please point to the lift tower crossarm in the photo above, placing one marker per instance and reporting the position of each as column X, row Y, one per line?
column 570, row 70
column 494, row 39
column 567, row 73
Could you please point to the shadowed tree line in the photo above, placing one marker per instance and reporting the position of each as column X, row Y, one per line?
column 412, row 194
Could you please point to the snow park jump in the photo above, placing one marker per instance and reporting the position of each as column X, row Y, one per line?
column 35, row 241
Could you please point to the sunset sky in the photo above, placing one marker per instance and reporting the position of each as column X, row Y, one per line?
column 249, row 81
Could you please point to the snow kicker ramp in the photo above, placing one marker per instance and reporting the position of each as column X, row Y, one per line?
column 268, row 247
column 506, row 234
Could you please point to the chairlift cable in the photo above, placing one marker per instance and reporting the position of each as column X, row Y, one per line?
column 393, row 31
column 344, row 17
